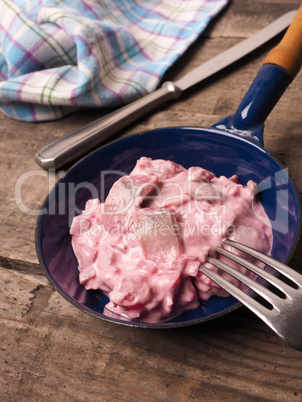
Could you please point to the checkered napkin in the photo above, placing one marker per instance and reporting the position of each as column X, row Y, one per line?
column 57, row 56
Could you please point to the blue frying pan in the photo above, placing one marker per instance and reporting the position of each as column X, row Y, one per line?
column 232, row 146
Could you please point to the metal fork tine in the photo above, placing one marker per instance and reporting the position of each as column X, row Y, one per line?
column 233, row 290
column 252, row 284
column 277, row 265
column 285, row 314
column 286, row 289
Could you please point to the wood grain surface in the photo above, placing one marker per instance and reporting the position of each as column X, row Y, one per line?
column 52, row 351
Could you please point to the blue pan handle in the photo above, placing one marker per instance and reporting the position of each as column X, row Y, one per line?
column 280, row 67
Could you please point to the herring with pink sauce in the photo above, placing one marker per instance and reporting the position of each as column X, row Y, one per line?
column 143, row 246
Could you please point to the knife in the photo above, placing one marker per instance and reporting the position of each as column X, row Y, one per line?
column 77, row 143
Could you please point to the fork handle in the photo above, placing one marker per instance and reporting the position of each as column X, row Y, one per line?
column 288, row 53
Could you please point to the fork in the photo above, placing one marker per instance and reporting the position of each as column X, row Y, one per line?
column 281, row 312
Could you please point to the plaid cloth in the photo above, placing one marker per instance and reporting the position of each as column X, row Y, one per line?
column 60, row 55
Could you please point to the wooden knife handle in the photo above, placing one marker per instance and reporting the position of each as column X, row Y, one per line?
column 288, row 54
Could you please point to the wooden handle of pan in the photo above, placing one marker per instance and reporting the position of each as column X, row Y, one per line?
column 288, row 54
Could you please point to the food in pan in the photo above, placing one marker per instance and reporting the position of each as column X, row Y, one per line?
column 143, row 246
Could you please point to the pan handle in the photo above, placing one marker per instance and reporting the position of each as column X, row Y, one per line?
column 279, row 69
column 288, row 54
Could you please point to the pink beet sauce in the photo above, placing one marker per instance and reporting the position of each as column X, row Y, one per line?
column 143, row 246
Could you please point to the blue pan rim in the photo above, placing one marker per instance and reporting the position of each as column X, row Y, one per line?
column 165, row 325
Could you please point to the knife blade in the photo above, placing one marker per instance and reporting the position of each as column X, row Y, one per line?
column 79, row 142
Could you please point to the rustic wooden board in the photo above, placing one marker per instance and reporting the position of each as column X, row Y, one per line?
column 52, row 351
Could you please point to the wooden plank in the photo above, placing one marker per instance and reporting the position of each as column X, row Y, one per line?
column 50, row 350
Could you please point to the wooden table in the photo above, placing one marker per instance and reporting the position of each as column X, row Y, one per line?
column 52, row 351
